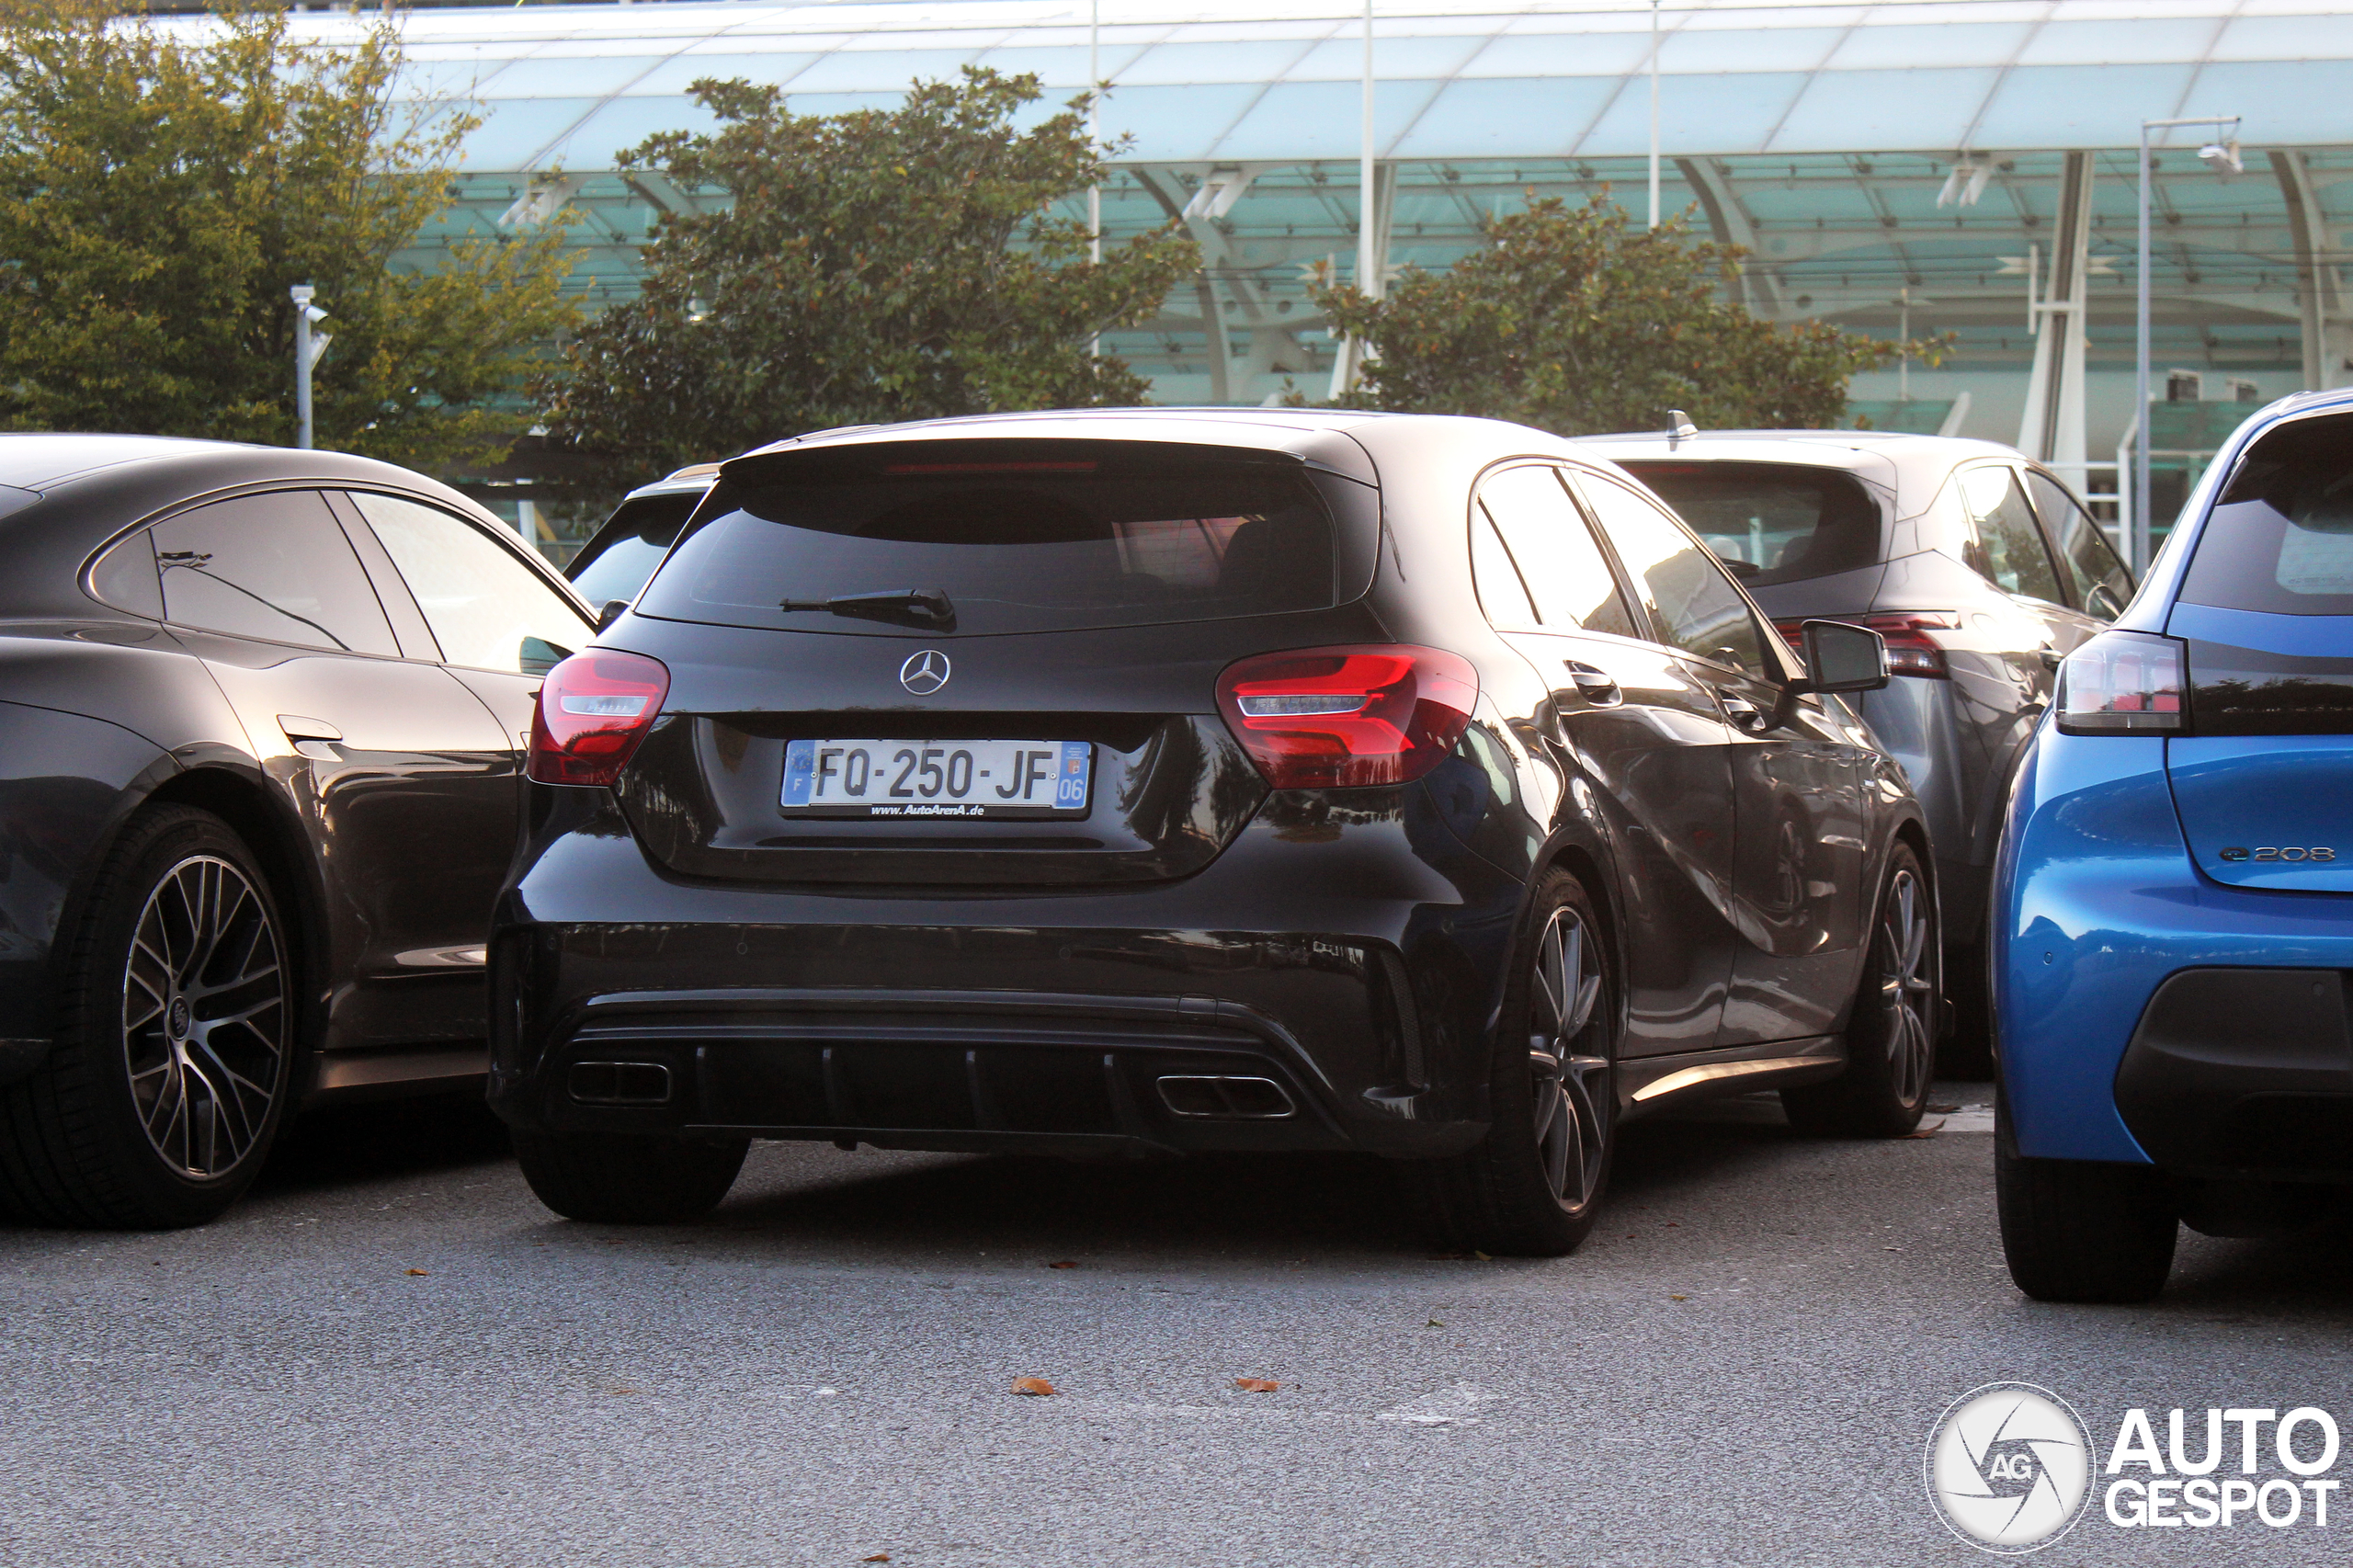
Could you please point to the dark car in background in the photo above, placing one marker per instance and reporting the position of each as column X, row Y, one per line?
column 262, row 724
column 1980, row 568
column 621, row 554
column 1122, row 783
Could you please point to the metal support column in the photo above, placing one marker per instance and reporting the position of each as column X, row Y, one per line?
column 2320, row 288
column 2053, row 427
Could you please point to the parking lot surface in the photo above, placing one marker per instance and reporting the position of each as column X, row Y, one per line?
column 392, row 1355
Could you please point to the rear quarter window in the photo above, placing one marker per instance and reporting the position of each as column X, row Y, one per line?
column 2280, row 537
column 1029, row 536
column 1771, row 522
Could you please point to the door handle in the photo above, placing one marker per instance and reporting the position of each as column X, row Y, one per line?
column 1593, row 684
column 298, row 728
column 1745, row 715
column 2051, row 657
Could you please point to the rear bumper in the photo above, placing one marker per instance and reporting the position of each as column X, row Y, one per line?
column 2244, row 1071
column 1326, row 991
column 2147, row 1014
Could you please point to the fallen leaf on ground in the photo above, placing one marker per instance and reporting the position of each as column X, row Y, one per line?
column 1923, row 1132
column 1062, row 1266
column 1257, row 1385
column 418, row 1272
column 1033, row 1386
column 1482, row 1258
column 1942, row 1109
column 1678, row 1298
column 1433, row 1324
column 878, row 1557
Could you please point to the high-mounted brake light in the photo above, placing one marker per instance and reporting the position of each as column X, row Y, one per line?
column 594, row 709
column 2124, row 683
column 1332, row 718
column 1909, row 652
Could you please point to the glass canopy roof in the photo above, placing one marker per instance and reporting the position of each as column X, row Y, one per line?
column 1213, row 80
column 1821, row 137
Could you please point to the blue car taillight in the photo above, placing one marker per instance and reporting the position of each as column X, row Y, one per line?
column 2124, row 683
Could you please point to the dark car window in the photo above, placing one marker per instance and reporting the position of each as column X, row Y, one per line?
column 487, row 609
column 2003, row 545
column 2102, row 584
column 275, row 567
column 1550, row 542
column 630, row 545
column 1503, row 593
column 2280, row 538
column 1692, row 599
column 1772, row 522
column 1032, row 536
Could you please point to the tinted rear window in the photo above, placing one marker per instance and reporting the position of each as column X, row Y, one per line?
column 1020, row 536
column 2280, row 538
column 627, row 549
column 1771, row 522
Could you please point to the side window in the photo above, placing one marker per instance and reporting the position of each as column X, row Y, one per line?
column 486, row 608
column 1691, row 598
column 274, row 566
column 2103, row 584
column 1564, row 570
column 2004, row 546
column 1502, row 594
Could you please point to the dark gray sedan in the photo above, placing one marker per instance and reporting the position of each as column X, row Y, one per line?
column 1980, row 568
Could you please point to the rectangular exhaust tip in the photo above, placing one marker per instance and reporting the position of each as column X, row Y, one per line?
column 1227, row 1098
column 620, row 1082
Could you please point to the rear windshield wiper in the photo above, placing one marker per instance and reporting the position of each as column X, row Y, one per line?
column 928, row 608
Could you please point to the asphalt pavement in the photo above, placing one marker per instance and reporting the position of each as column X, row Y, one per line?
column 392, row 1355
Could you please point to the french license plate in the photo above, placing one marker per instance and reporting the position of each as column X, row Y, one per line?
column 937, row 778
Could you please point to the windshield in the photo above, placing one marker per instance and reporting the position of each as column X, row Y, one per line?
column 2281, row 539
column 1020, row 536
column 1771, row 522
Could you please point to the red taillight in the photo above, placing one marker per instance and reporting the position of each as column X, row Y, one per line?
column 594, row 709
column 1329, row 718
column 1908, row 653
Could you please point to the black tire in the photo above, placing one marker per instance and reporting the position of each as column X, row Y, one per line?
column 176, row 1038
column 1891, row 1029
column 1534, row 1185
column 616, row 1178
column 2081, row 1230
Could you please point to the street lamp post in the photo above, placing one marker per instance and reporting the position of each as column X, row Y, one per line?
column 307, row 349
column 2223, row 154
column 1654, row 114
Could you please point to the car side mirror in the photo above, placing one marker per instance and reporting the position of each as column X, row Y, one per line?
column 1839, row 658
column 614, row 609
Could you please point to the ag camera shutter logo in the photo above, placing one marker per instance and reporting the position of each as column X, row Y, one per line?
column 2009, row 1467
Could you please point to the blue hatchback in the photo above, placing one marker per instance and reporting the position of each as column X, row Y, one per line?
column 2174, row 894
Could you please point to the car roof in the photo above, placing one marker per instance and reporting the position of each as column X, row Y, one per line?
column 35, row 460
column 1340, row 439
column 1847, row 449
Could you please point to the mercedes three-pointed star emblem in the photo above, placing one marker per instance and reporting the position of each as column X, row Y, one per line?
column 925, row 673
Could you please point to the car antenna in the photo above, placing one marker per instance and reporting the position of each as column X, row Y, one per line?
column 1680, row 429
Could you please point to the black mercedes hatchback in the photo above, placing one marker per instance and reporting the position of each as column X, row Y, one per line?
column 1124, row 783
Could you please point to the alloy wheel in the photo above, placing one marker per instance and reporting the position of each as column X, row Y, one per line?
column 204, row 1017
column 1574, row 1100
column 1907, row 995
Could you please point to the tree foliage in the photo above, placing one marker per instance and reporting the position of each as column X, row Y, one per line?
column 876, row 266
column 1573, row 319
column 160, row 192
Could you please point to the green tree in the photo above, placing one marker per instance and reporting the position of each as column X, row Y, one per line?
column 1576, row 320
column 876, row 266
column 160, row 192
